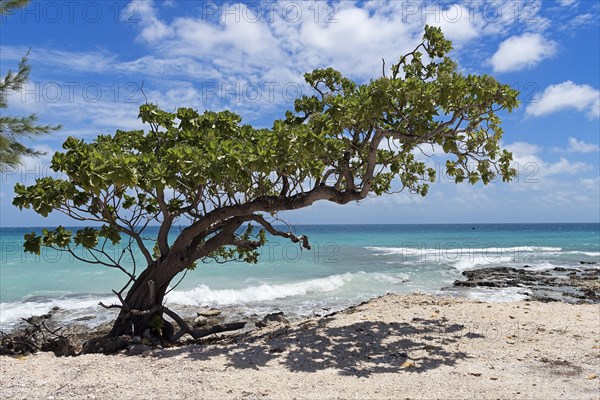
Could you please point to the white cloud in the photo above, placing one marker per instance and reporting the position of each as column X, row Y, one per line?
column 251, row 44
column 523, row 149
column 521, row 52
column 268, row 48
column 565, row 3
column 579, row 146
column 456, row 21
column 590, row 183
column 99, row 61
column 533, row 169
column 567, row 95
column 153, row 28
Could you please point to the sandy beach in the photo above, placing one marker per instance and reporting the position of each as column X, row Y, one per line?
column 392, row 347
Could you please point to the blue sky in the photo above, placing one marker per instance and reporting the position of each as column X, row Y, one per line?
column 90, row 59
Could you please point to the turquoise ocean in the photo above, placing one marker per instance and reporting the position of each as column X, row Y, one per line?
column 348, row 264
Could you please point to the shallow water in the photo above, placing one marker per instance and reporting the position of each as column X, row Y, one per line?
column 348, row 264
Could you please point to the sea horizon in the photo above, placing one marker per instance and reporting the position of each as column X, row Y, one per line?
column 337, row 224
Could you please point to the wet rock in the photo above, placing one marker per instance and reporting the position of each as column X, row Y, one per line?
column 570, row 285
column 86, row 318
column 271, row 319
column 588, row 262
column 208, row 312
column 38, row 319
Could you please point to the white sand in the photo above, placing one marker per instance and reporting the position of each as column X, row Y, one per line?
column 396, row 347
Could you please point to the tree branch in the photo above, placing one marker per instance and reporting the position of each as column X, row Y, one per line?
column 288, row 235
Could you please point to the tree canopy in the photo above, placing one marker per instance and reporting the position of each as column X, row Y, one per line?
column 212, row 174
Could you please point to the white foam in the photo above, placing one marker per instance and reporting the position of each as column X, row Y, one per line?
column 465, row 258
column 441, row 250
column 495, row 295
column 393, row 279
column 586, row 253
column 12, row 312
column 204, row 295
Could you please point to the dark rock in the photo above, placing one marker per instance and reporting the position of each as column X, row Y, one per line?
column 38, row 319
column 86, row 318
column 588, row 262
column 137, row 349
column 272, row 318
column 60, row 346
column 106, row 345
column 558, row 284
column 464, row 284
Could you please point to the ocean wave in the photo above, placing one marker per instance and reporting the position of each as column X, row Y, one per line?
column 466, row 258
column 204, row 295
column 70, row 307
column 394, row 279
column 586, row 253
column 441, row 250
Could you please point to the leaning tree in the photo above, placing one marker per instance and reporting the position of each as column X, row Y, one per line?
column 216, row 180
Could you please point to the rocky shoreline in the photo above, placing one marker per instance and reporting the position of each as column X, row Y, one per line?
column 43, row 333
column 569, row 285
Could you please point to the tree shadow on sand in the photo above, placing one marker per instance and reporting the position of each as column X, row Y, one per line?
column 359, row 349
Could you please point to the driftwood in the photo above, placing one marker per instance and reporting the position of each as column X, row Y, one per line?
column 36, row 337
column 199, row 333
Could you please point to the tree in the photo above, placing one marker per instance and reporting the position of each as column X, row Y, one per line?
column 7, row 6
column 14, row 129
column 221, row 179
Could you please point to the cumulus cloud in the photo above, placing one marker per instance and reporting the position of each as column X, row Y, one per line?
column 457, row 22
column 521, row 52
column 153, row 28
column 579, row 146
column 533, row 169
column 567, row 95
column 590, row 183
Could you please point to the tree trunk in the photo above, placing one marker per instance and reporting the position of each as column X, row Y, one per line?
column 142, row 308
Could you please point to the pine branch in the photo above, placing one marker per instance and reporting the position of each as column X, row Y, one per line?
column 7, row 6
